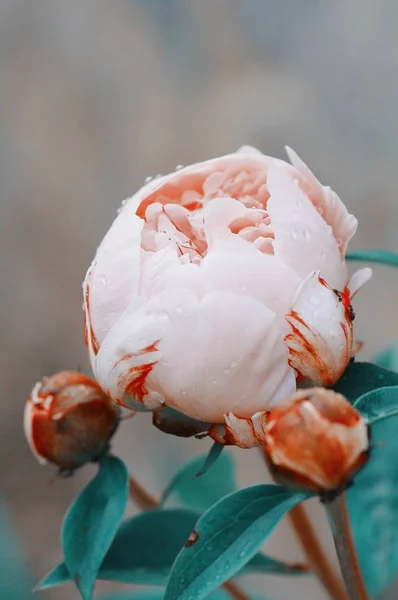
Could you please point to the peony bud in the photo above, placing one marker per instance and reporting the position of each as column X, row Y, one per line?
column 69, row 420
column 316, row 441
column 220, row 286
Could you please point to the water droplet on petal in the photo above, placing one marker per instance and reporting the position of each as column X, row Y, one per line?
column 148, row 179
column 296, row 215
column 158, row 175
column 293, row 233
column 178, row 167
column 296, row 182
column 315, row 300
column 234, row 364
column 307, row 234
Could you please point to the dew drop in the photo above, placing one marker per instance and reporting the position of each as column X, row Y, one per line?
column 234, row 364
column 179, row 167
column 315, row 300
column 293, row 233
column 307, row 234
column 296, row 182
column 158, row 175
column 214, row 381
column 148, row 179
column 296, row 215
column 380, row 376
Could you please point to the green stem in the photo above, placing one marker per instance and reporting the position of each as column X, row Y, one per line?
column 345, row 548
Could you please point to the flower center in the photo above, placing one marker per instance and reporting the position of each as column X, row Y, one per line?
column 175, row 213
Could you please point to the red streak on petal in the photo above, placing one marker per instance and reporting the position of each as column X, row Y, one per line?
column 137, row 376
column 88, row 326
column 133, row 381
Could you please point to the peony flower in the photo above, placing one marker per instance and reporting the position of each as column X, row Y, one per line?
column 69, row 420
column 221, row 286
column 316, row 440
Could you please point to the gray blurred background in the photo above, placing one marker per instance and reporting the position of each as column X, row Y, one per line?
column 97, row 96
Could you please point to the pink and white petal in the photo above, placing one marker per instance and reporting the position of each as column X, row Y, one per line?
column 358, row 280
column 237, row 266
column 240, row 432
column 320, row 342
column 129, row 353
column 217, row 216
column 303, row 240
column 333, row 210
column 247, row 149
column 221, row 353
column 114, row 275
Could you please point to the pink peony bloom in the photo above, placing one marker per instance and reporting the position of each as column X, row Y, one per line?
column 219, row 286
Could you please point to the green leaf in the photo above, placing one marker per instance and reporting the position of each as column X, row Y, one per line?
column 58, row 576
column 199, row 493
column 373, row 508
column 362, row 377
column 158, row 595
column 379, row 404
column 260, row 563
column 92, row 521
column 226, row 537
column 143, row 550
column 388, row 358
column 382, row 257
column 211, row 458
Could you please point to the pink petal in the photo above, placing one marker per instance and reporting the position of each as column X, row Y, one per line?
column 113, row 278
column 222, row 353
column 303, row 240
column 359, row 279
column 320, row 344
column 333, row 210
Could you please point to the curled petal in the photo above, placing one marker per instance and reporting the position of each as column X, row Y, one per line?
column 303, row 239
column 240, row 431
column 320, row 342
column 328, row 203
column 359, row 279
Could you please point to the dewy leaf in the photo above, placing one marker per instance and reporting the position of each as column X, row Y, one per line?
column 210, row 459
column 362, row 377
column 226, row 537
column 382, row 257
column 158, row 595
column 373, row 508
column 199, row 493
column 388, row 358
column 379, row 404
column 260, row 563
column 92, row 521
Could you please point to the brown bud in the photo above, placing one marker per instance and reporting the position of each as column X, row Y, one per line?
column 69, row 420
column 316, row 440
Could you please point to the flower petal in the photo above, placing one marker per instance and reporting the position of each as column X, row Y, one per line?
column 359, row 279
column 343, row 224
column 303, row 240
column 320, row 344
column 221, row 353
column 113, row 277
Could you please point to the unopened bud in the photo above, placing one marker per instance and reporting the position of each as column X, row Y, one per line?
column 316, row 440
column 69, row 420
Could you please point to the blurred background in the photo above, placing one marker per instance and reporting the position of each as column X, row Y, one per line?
column 97, row 96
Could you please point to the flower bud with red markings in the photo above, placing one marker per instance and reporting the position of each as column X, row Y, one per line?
column 316, row 440
column 69, row 420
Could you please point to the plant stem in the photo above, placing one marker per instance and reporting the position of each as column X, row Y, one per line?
column 140, row 496
column 315, row 554
column 146, row 501
column 345, row 548
column 235, row 591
